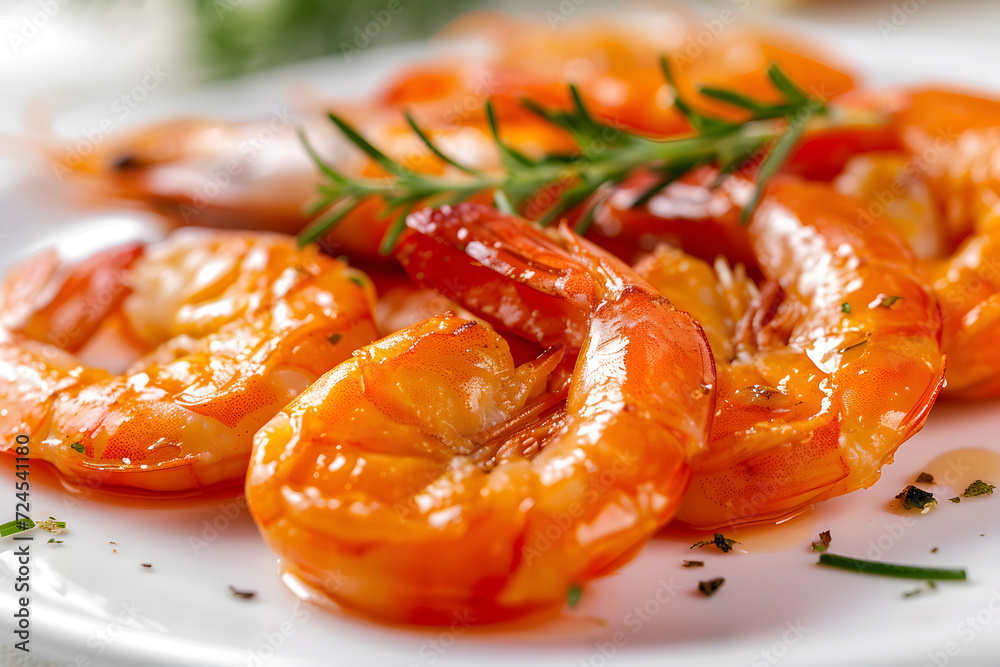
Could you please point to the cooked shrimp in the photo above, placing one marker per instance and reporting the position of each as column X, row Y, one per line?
column 434, row 477
column 227, row 328
column 704, row 220
column 230, row 174
column 256, row 174
column 943, row 193
column 823, row 372
column 813, row 399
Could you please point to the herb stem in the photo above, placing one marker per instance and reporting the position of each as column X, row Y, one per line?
column 891, row 569
column 605, row 156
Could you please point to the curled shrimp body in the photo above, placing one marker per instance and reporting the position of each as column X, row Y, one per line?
column 218, row 330
column 823, row 371
column 429, row 476
column 943, row 193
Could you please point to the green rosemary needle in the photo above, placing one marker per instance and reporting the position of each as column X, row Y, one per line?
column 606, row 156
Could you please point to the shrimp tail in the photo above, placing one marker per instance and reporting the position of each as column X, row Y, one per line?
column 46, row 302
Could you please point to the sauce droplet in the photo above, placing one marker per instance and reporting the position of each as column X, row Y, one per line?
column 960, row 467
column 764, row 537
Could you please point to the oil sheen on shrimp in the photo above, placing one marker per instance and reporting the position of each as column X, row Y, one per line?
column 823, row 372
column 942, row 191
column 222, row 330
column 429, row 476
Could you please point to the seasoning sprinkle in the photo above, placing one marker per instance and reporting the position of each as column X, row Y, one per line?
column 824, row 542
column 724, row 543
column 709, row 587
column 246, row 595
column 913, row 498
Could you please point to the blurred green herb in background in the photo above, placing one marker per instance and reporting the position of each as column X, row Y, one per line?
column 234, row 37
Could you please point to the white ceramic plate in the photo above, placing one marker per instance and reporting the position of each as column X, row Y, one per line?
column 93, row 602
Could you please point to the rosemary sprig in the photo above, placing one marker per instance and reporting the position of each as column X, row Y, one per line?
column 606, row 156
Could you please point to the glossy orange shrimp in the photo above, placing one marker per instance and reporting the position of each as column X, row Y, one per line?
column 704, row 220
column 616, row 67
column 228, row 174
column 221, row 329
column 823, row 372
column 943, row 192
column 432, row 477
column 256, row 174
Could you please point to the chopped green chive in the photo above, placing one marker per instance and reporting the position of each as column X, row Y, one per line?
column 19, row 526
column 78, row 447
column 891, row 569
column 845, row 308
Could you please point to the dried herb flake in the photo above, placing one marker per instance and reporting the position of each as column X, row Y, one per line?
column 724, row 543
column 824, row 542
column 246, row 595
column 978, row 488
column 709, row 587
column 913, row 498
